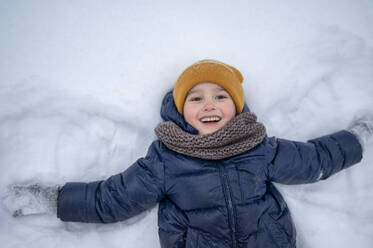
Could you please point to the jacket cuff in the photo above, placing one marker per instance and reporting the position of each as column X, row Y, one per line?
column 348, row 144
column 351, row 146
column 76, row 202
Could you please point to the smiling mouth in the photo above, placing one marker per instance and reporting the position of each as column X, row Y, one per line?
column 210, row 120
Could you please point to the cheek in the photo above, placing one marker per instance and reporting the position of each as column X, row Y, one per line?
column 190, row 113
column 230, row 110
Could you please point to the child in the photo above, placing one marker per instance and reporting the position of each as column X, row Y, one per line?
column 210, row 170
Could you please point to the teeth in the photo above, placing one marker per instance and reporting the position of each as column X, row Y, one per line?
column 209, row 119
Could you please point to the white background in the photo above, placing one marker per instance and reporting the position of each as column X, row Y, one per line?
column 81, row 83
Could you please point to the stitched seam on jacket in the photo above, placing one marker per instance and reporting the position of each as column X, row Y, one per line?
column 341, row 150
column 204, row 209
column 96, row 200
column 319, row 162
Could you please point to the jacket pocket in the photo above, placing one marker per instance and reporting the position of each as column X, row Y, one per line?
column 251, row 180
column 199, row 239
column 280, row 229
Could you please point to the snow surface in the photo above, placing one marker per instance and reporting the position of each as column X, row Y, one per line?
column 81, row 84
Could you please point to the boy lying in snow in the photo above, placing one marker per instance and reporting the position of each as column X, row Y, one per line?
column 211, row 170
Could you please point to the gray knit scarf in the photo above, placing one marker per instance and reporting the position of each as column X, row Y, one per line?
column 239, row 135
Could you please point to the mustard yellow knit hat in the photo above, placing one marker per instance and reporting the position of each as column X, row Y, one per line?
column 211, row 71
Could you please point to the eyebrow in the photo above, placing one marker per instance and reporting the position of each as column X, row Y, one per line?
column 196, row 90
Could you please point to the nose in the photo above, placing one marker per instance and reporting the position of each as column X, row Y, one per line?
column 209, row 106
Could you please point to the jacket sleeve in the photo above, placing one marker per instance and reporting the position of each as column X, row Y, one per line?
column 119, row 197
column 292, row 162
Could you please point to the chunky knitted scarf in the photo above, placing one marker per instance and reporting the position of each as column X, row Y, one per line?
column 239, row 135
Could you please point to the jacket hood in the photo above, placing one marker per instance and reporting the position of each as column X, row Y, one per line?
column 169, row 113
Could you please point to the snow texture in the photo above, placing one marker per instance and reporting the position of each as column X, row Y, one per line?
column 81, row 84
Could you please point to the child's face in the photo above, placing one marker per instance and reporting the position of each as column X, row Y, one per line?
column 208, row 107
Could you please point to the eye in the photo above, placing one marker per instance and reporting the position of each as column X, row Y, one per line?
column 220, row 97
column 195, row 99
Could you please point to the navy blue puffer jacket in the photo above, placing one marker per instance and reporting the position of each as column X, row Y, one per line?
column 203, row 203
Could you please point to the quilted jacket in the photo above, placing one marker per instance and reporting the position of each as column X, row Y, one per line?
column 212, row 203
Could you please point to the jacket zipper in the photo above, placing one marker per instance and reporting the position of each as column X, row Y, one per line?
column 228, row 199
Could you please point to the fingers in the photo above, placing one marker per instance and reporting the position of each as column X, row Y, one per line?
column 21, row 200
column 18, row 213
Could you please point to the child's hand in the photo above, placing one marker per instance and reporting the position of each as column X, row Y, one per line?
column 27, row 199
column 362, row 128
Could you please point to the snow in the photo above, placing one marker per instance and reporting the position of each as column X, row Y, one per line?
column 81, row 84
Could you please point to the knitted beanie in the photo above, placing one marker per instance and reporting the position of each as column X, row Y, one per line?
column 211, row 71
